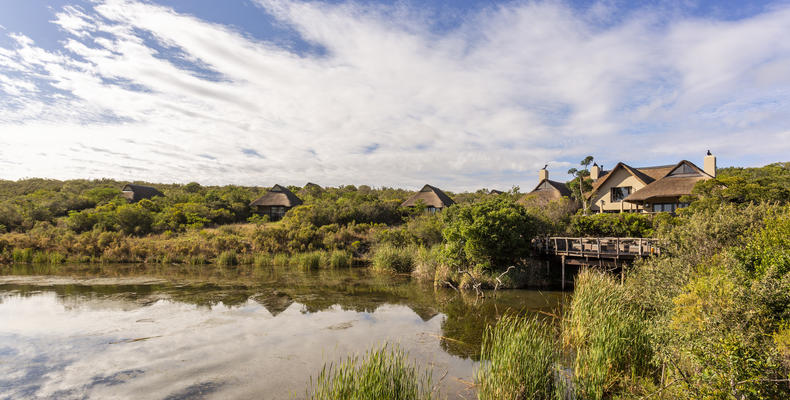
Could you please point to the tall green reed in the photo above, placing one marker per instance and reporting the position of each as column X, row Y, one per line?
column 381, row 373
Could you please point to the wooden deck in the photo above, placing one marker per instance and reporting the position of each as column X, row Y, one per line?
column 611, row 248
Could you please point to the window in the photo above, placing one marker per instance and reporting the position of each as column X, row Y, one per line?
column 667, row 207
column 277, row 212
column 619, row 193
column 684, row 169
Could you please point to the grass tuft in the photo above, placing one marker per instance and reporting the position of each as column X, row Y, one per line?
column 388, row 258
column 383, row 373
column 519, row 356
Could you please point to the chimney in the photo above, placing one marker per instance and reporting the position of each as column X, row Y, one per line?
column 595, row 172
column 543, row 174
column 710, row 164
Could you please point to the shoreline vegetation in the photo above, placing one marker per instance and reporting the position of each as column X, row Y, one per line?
column 707, row 318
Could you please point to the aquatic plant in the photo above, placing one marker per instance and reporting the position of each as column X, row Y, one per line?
column 307, row 260
column 393, row 259
column 262, row 260
column 519, row 356
column 22, row 255
column 227, row 258
column 381, row 373
column 607, row 334
column 339, row 259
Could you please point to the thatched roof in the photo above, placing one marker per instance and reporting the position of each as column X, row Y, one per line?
column 138, row 192
column 310, row 188
column 679, row 180
column 547, row 190
column 278, row 196
column 431, row 196
column 495, row 192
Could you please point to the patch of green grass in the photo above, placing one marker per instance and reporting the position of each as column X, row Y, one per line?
column 340, row 259
column 281, row 259
column 196, row 260
column 383, row 373
column 389, row 258
column 519, row 356
column 262, row 260
column 309, row 260
column 607, row 334
column 22, row 255
column 227, row 258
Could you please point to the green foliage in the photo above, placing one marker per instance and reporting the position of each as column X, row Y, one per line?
column 388, row 258
column 227, row 258
column 491, row 234
column 382, row 373
column 519, row 357
column 340, row 259
column 611, row 225
column 607, row 333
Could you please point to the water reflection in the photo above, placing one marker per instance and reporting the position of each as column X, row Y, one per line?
column 185, row 332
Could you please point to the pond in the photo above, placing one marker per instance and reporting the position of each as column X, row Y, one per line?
column 177, row 332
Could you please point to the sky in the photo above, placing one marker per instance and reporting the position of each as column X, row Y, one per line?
column 460, row 94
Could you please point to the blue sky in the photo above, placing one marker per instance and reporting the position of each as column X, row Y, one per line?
column 458, row 93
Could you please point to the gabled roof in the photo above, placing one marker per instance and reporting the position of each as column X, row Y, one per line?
column 278, row 196
column 431, row 196
column 134, row 192
column 671, row 185
column 550, row 185
column 547, row 190
column 635, row 172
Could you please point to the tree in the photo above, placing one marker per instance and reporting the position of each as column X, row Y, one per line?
column 582, row 181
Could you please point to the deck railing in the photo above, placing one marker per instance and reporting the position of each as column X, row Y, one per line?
column 606, row 247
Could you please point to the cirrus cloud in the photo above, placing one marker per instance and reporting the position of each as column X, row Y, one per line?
column 140, row 91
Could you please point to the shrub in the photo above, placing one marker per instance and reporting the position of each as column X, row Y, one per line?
column 491, row 234
column 518, row 360
column 384, row 373
column 393, row 259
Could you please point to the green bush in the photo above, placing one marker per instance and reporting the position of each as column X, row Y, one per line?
column 393, row 259
column 491, row 234
column 612, row 225
column 518, row 360
column 384, row 373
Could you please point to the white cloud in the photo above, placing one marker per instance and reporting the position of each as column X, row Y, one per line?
column 141, row 92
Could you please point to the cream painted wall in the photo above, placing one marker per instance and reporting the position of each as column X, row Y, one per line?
column 620, row 178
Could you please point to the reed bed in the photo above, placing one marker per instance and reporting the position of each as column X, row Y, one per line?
column 227, row 258
column 388, row 258
column 519, row 359
column 607, row 334
column 381, row 373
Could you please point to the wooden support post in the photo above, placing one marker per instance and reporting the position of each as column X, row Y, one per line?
column 547, row 267
column 598, row 243
column 563, row 272
column 617, row 246
column 640, row 247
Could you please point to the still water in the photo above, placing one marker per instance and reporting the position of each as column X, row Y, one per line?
column 178, row 332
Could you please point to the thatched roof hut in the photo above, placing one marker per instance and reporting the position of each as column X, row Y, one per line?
column 277, row 196
column 432, row 197
column 136, row 193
